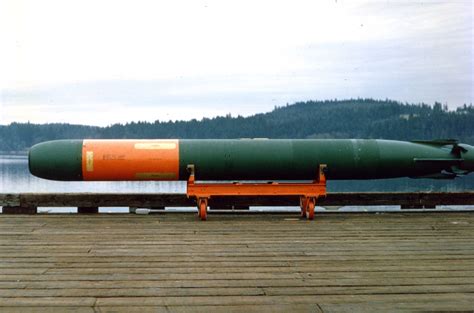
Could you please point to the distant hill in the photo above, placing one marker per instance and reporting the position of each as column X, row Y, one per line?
column 354, row 118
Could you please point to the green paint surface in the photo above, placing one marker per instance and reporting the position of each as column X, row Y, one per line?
column 297, row 159
column 279, row 159
column 57, row 160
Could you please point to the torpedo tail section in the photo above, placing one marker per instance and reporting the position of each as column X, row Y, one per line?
column 459, row 164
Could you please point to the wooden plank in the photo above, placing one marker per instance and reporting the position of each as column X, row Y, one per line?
column 273, row 308
column 428, row 300
column 47, row 302
column 50, row 309
column 238, row 291
column 259, row 300
column 374, row 306
column 311, row 285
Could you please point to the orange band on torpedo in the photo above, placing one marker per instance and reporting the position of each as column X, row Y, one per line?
column 130, row 159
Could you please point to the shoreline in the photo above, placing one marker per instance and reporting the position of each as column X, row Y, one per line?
column 14, row 153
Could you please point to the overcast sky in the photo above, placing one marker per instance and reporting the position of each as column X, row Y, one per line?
column 102, row 62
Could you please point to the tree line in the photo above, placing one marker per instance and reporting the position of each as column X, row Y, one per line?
column 352, row 118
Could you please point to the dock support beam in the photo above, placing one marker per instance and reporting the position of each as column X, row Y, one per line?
column 19, row 210
column 88, row 209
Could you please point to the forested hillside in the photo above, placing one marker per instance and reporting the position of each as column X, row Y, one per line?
column 355, row 118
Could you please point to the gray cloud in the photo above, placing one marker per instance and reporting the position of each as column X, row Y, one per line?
column 428, row 60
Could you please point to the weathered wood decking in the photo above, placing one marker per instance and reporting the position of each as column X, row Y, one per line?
column 244, row 263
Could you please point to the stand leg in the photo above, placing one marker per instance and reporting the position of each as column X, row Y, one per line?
column 305, row 206
column 202, row 208
column 310, row 208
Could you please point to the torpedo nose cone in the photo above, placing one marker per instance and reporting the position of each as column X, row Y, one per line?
column 56, row 160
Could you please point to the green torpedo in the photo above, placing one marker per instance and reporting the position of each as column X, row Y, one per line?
column 248, row 159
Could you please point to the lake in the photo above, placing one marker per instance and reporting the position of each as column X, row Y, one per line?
column 15, row 178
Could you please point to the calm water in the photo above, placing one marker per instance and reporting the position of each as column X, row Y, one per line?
column 15, row 178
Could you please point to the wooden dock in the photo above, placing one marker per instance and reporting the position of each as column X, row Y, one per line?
column 237, row 263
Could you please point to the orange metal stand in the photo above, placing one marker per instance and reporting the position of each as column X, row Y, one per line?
column 308, row 192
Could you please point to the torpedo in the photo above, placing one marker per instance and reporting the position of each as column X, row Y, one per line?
column 248, row 159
